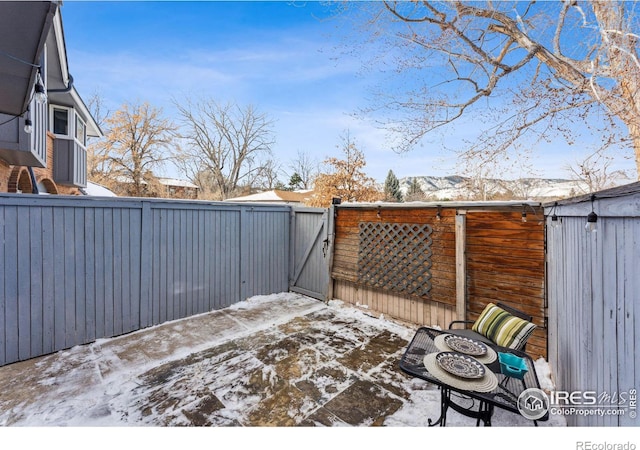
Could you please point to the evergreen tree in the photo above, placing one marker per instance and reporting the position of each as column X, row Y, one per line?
column 415, row 192
column 392, row 188
column 295, row 182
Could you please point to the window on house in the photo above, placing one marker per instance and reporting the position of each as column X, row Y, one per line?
column 81, row 131
column 60, row 121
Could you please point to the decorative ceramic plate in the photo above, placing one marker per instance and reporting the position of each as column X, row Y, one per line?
column 465, row 345
column 460, row 365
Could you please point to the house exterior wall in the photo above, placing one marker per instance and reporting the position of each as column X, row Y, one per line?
column 43, row 175
column 181, row 192
column 69, row 163
column 18, row 147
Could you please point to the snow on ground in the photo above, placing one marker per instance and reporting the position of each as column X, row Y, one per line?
column 118, row 386
column 117, row 389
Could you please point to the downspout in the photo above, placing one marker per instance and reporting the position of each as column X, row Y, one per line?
column 34, row 189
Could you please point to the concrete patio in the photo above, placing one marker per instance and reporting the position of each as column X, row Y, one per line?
column 282, row 360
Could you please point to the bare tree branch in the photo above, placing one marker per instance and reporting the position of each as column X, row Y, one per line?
column 138, row 141
column 530, row 55
column 225, row 146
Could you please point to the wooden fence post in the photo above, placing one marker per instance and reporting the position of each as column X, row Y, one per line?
column 461, row 273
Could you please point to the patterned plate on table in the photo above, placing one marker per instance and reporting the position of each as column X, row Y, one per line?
column 465, row 345
column 460, row 365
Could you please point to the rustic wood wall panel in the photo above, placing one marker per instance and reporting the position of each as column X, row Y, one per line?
column 377, row 302
column 443, row 269
column 505, row 263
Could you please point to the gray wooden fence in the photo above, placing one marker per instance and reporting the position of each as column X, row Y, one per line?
column 594, row 301
column 73, row 270
column 311, row 251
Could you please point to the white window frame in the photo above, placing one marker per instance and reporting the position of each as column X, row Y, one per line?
column 70, row 123
column 82, row 142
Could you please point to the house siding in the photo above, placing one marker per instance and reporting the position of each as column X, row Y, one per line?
column 19, row 147
column 69, row 163
column 43, row 175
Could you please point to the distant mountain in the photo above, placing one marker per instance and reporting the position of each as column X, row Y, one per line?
column 456, row 187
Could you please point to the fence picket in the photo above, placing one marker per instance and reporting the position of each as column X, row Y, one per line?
column 78, row 269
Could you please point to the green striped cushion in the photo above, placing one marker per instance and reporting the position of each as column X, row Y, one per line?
column 503, row 328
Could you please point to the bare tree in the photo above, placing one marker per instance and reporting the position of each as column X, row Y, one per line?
column 345, row 179
column 306, row 167
column 97, row 153
column 498, row 178
column 532, row 70
column 478, row 181
column 268, row 176
column 136, row 143
column 97, row 108
column 595, row 172
column 225, row 145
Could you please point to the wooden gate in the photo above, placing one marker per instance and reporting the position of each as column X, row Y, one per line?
column 311, row 250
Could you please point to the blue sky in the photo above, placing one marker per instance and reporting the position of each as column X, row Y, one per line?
column 278, row 56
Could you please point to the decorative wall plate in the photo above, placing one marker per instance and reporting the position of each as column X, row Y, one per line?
column 465, row 345
column 460, row 365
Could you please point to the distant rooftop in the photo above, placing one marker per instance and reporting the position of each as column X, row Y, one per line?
column 177, row 182
column 97, row 190
column 162, row 180
column 275, row 196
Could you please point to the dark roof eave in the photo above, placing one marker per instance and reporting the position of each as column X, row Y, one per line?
column 26, row 26
column 618, row 191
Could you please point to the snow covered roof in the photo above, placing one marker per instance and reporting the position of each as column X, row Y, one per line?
column 445, row 204
column 614, row 192
column 177, row 182
column 275, row 196
column 97, row 190
column 162, row 180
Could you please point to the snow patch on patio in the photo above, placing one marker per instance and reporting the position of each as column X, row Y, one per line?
column 106, row 383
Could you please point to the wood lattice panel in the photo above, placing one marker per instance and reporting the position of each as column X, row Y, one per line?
column 395, row 257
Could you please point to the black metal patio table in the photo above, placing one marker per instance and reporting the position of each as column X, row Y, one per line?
column 505, row 395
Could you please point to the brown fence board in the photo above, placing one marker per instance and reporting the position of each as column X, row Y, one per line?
column 496, row 262
column 504, row 261
column 520, row 234
column 482, row 284
column 517, row 244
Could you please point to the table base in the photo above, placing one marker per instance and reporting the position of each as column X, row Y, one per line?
column 484, row 412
